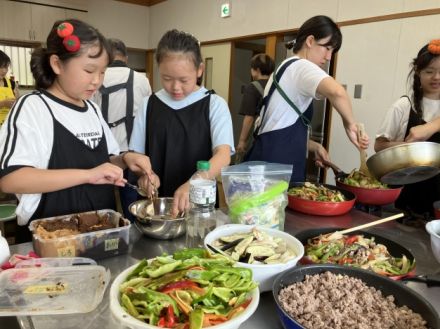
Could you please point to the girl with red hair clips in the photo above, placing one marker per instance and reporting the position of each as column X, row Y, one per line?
column 416, row 118
column 57, row 154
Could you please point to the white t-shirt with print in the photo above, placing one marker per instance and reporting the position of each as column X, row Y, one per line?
column 394, row 125
column 299, row 81
column 26, row 138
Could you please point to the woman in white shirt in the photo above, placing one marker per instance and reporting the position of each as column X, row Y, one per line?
column 282, row 130
column 416, row 118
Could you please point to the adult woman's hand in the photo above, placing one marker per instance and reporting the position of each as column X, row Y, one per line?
column 352, row 132
column 319, row 153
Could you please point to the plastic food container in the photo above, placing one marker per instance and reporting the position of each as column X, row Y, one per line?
column 256, row 193
column 96, row 245
column 52, row 290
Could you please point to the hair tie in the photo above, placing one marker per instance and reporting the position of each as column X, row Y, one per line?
column 434, row 47
column 70, row 41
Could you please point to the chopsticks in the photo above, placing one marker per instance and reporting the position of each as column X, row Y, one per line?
column 338, row 234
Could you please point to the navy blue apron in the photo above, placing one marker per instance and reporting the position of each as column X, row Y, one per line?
column 419, row 197
column 287, row 145
column 70, row 152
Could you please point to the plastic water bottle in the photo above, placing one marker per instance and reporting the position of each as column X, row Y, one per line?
column 202, row 195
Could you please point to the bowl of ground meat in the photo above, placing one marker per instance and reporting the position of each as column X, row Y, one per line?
column 334, row 296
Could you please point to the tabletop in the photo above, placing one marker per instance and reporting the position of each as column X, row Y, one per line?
column 416, row 240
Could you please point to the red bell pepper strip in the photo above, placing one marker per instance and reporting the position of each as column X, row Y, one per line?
column 161, row 322
column 351, row 239
column 180, row 285
column 170, row 318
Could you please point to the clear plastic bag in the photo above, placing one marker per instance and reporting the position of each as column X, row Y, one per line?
column 256, row 193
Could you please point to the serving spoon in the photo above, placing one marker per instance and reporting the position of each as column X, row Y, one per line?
column 338, row 234
column 363, row 154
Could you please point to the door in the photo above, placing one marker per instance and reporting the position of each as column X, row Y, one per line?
column 216, row 76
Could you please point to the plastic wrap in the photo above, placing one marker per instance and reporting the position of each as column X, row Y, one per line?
column 256, row 193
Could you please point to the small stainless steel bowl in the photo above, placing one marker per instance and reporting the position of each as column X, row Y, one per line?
column 154, row 220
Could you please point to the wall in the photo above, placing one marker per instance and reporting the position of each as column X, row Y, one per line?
column 250, row 17
column 124, row 21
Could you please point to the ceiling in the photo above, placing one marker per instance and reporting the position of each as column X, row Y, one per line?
column 147, row 3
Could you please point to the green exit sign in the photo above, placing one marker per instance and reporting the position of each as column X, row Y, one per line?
column 226, row 10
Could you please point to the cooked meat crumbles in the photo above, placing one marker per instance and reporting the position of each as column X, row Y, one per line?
column 338, row 301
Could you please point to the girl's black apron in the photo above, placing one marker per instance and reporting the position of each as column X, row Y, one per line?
column 68, row 152
column 287, row 146
column 176, row 140
column 418, row 197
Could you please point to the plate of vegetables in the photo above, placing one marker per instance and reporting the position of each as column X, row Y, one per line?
column 188, row 289
column 320, row 199
column 359, row 249
column 368, row 190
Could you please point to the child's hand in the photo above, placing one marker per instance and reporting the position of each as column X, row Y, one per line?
column 150, row 184
column 181, row 199
column 106, row 173
column 420, row 133
column 138, row 163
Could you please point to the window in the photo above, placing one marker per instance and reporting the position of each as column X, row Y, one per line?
column 20, row 64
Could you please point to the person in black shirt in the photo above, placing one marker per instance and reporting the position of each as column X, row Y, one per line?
column 262, row 67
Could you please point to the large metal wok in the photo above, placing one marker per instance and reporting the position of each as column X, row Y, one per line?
column 403, row 295
column 406, row 163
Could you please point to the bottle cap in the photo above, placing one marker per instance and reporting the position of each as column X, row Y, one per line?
column 203, row 165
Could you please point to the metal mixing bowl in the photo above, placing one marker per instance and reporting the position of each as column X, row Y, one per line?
column 154, row 220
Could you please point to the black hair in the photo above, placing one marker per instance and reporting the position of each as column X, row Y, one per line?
column 4, row 59
column 89, row 36
column 175, row 41
column 423, row 59
column 320, row 27
column 264, row 63
column 118, row 47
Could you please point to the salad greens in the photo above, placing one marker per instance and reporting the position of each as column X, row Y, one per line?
column 190, row 289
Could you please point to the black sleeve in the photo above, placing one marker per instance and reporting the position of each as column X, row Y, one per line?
column 250, row 100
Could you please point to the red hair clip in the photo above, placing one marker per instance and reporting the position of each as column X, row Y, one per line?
column 434, row 47
column 70, row 41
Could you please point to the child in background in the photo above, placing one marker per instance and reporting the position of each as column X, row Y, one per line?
column 416, row 118
column 56, row 152
column 182, row 123
column 8, row 87
column 262, row 67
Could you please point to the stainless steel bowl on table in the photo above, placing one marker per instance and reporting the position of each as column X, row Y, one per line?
column 154, row 219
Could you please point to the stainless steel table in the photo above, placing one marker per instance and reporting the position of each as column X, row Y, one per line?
column 414, row 239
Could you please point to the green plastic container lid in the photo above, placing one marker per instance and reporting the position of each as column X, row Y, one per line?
column 244, row 204
column 203, row 165
column 7, row 211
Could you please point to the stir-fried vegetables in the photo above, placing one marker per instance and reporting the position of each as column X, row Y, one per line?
column 190, row 289
column 359, row 179
column 255, row 247
column 316, row 193
column 359, row 251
